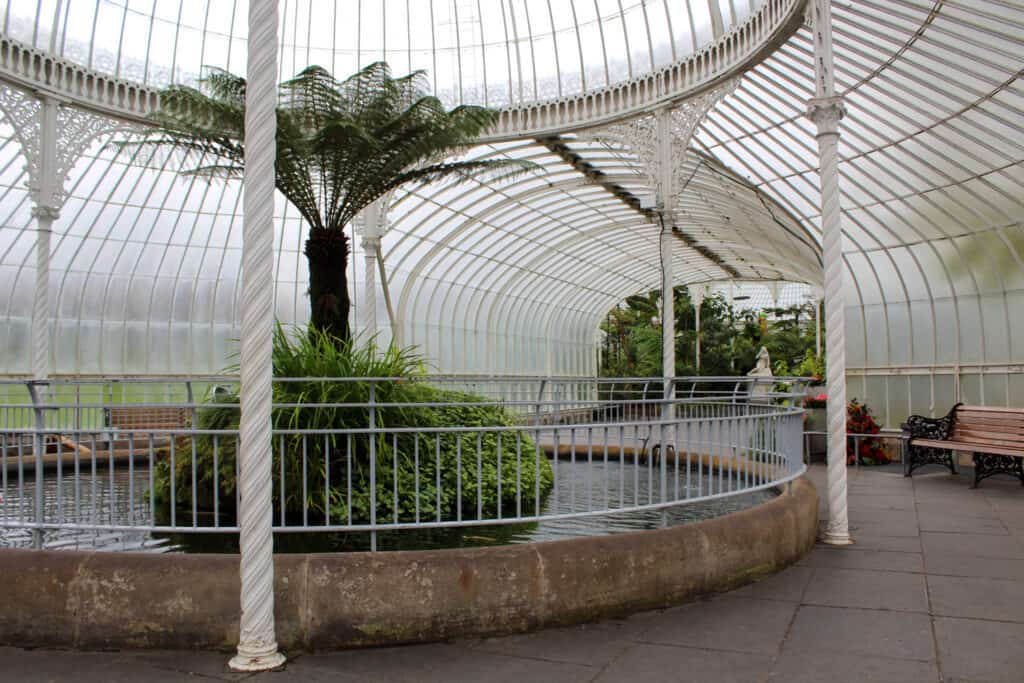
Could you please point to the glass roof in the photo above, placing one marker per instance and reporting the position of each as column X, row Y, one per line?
column 490, row 52
column 516, row 277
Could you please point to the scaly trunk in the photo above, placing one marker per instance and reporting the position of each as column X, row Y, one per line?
column 327, row 252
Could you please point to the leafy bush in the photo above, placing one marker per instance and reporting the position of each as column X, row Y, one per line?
column 466, row 463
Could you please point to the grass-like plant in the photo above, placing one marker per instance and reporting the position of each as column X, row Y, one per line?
column 454, row 474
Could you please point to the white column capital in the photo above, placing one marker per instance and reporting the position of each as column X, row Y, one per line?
column 370, row 242
column 46, row 213
column 826, row 112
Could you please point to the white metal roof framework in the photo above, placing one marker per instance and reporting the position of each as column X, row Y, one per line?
column 515, row 278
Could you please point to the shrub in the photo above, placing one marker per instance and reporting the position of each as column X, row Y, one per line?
column 469, row 460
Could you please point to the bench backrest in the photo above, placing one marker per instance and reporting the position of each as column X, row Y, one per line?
column 142, row 418
column 999, row 427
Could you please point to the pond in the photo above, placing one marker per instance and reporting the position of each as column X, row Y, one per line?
column 119, row 497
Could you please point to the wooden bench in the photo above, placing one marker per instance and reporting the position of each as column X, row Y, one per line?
column 995, row 437
column 144, row 419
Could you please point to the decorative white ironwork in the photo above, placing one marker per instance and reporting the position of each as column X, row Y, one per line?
column 733, row 53
column 48, row 161
column 52, row 138
column 825, row 111
column 257, row 646
column 643, row 136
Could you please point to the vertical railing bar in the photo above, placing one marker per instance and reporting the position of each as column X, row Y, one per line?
column 607, row 473
column 21, row 479
column 131, row 482
column 281, row 479
column 348, row 480
column 60, row 479
column 590, row 469
column 622, row 466
column 152, row 488
column 174, row 476
column 519, row 474
column 394, row 476
column 305, row 480
column 373, row 466
column 195, row 492
column 572, row 469
column 437, row 475
column 216, row 480
column 500, row 471
column 458, row 476
column 416, row 472
column 479, row 476
column 327, row 479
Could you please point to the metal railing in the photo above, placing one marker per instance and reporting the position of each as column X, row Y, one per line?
column 372, row 455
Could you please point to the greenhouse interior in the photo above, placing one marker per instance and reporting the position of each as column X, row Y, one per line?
column 488, row 317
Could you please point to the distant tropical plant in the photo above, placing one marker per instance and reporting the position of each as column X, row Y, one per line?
column 340, row 146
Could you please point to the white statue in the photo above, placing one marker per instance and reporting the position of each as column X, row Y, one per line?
column 764, row 365
column 761, row 374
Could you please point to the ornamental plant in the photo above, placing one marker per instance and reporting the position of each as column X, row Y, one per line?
column 453, row 473
column 859, row 420
column 341, row 145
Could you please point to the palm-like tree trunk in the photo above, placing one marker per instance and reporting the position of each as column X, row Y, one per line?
column 327, row 252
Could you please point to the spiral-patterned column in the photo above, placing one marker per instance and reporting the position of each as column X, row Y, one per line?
column 826, row 113
column 370, row 245
column 257, row 646
column 41, row 298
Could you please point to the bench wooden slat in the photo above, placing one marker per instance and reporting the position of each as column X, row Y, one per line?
column 990, row 420
column 969, row 446
column 989, row 409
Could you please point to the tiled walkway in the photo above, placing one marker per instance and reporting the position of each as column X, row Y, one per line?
column 932, row 591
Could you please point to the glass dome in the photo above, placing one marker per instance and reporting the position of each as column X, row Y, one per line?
column 515, row 278
column 488, row 52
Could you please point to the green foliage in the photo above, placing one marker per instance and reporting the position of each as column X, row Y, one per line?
column 469, row 460
column 812, row 365
column 730, row 338
column 341, row 145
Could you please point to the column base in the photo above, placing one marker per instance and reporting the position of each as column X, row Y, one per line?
column 265, row 660
column 836, row 537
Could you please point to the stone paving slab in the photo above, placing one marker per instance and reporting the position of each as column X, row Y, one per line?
column 997, row 599
column 661, row 663
column 867, row 632
column 975, row 650
column 858, row 558
column 810, row 667
column 867, row 589
column 728, row 623
column 932, row 606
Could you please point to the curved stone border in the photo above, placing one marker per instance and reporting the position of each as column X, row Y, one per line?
column 325, row 601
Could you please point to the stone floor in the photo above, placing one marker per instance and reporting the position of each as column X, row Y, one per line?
column 933, row 590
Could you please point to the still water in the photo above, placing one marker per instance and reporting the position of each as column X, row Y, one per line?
column 120, row 498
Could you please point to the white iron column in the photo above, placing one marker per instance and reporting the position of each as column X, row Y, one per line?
column 697, row 297
column 666, row 203
column 45, row 216
column 371, row 245
column 826, row 109
column 257, row 646
column 46, row 211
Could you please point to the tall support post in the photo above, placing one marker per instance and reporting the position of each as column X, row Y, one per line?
column 257, row 643
column 697, row 293
column 46, row 210
column 52, row 136
column 666, row 204
column 370, row 244
column 825, row 110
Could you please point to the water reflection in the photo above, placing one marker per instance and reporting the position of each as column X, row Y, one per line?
column 120, row 497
